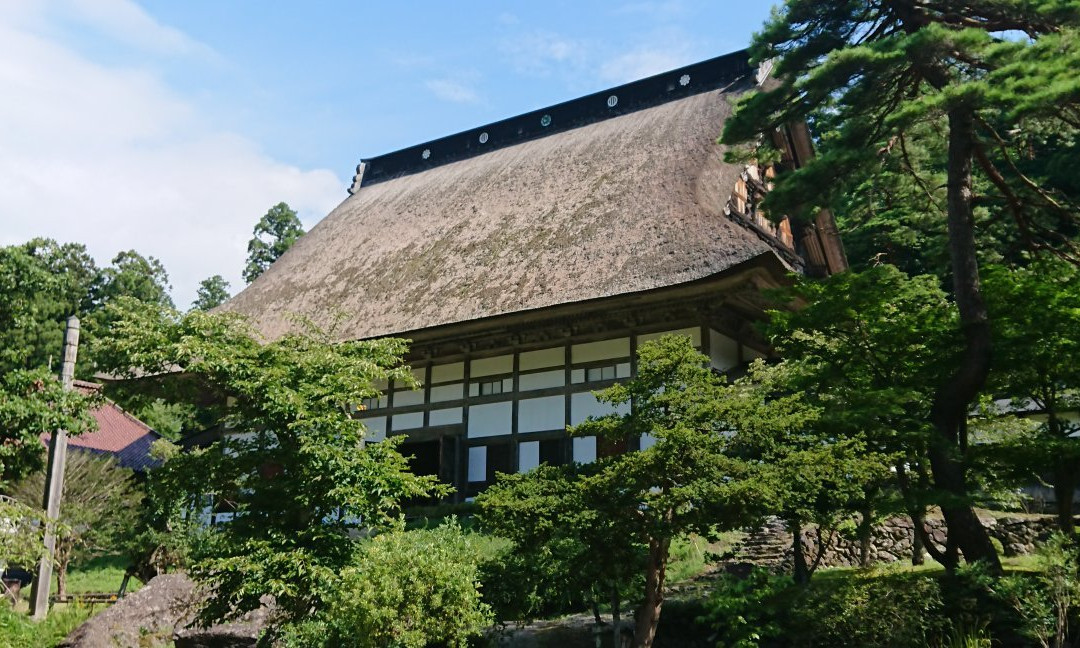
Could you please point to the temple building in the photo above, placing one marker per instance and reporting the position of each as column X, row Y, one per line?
column 528, row 258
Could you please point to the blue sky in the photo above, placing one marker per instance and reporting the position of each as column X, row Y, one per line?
column 170, row 127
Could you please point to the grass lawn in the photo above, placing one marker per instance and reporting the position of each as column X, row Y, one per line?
column 104, row 574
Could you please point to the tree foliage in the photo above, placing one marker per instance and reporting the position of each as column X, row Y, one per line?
column 875, row 76
column 1037, row 330
column 32, row 404
column 404, row 588
column 98, row 508
column 275, row 233
column 294, row 466
column 213, row 292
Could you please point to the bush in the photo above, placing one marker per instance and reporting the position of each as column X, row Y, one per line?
column 17, row 629
column 867, row 609
column 406, row 589
column 745, row 612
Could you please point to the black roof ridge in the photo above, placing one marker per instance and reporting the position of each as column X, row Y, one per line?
column 574, row 113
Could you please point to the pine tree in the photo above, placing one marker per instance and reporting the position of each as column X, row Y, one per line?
column 870, row 75
column 273, row 235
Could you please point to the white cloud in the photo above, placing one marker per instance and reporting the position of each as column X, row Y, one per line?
column 127, row 22
column 114, row 158
column 643, row 62
column 453, row 91
column 542, row 53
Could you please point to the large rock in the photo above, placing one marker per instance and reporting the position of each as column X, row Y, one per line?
column 162, row 614
column 148, row 617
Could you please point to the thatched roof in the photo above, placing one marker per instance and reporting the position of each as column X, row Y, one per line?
column 624, row 204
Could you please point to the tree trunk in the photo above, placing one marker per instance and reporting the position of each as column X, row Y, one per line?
column 917, row 547
column 648, row 615
column 866, row 532
column 1064, row 489
column 616, row 614
column 953, row 399
column 61, row 577
column 802, row 570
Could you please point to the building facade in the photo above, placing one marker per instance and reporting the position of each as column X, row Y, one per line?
column 527, row 259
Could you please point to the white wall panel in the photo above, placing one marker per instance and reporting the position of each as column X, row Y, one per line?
column 554, row 357
column 376, row 428
column 477, row 464
column 408, row 421
column 449, row 416
column 693, row 332
column 584, row 449
column 406, row 398
column 539, row 414
column 528, row 455
column 492, row 419
column 491, row 366
column 542, row 380
column 602, row 350
column 723, row 351
column 441, row 393
column 448, row 372
column 584, row 405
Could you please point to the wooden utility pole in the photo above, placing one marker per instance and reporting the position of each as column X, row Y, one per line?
column 54, row 480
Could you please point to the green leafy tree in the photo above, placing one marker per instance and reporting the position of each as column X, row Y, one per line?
column 33, row 403
column 404, row 588
column 813, row 476
column 570, row 545
column 23, row 279
column 869, row 348
column 133, row 275
column 1037, row 330
column 98, row 509
column 870, row 73
column 212, row 292
column 274, row 234
column 294, row 466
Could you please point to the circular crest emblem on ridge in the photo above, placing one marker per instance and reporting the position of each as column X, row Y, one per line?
column 612, row 101
column 545, row 121
column 484, row 137
column 426, row 154
column 684, row 80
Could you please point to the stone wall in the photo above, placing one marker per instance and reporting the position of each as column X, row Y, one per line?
column 891, row 541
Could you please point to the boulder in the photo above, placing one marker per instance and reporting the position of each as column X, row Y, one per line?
column 148, row 617
column 162, row 614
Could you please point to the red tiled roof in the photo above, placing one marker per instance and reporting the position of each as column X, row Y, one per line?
column 118, row 433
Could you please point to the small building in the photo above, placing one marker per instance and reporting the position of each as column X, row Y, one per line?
column 528, row 258
column 118, row 434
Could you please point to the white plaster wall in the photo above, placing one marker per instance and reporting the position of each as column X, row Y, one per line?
column 584, row 449
column 528, row 455
column 693, row 332
column 542, row 380
column 448, row 372
column 553, row 357
column 477, row 464
column 723, row 351
column 602, row 350
column 448, row 416
column 539, row 414
column 492, row 419
column 376, row 428
column 455, row 391
column 408, row 421
column 491, row 366
column 406, row 398
column 584, row 405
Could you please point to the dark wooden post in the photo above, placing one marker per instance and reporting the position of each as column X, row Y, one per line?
column 54, row 480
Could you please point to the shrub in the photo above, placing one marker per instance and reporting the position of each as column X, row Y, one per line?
column 867, row 609
column 406, row 589
column 744, row 612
